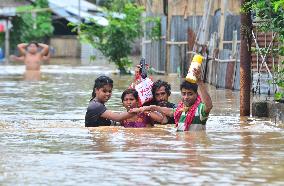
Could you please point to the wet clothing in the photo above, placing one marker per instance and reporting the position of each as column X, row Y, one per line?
column 167, row 104
column 94, row 111
column 141, row 121
column 198, row 122
column 190, row 112
column 171, row 120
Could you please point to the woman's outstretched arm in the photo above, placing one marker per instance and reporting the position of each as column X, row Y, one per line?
column 164, row 110
column 115, row 116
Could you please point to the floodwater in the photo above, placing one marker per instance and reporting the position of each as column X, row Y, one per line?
column 43, row 140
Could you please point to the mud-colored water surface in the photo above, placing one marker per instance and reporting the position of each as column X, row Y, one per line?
column 43, row 140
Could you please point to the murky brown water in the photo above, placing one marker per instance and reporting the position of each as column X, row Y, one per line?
column 43, row 140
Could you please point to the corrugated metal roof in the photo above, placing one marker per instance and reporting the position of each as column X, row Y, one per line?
column 7, row 11
column 8, row 7
column 69, row 9
column 12, row 3
column 62, row 13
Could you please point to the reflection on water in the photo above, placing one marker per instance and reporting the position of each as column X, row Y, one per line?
column 44, row 141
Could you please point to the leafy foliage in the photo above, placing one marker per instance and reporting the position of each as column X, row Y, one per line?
column 271, row 16
column 115, row 5
column 155, row 32
column 115, row 39
column 2, row 38
column 32, row 26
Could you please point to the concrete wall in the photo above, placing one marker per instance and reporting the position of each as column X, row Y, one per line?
column 271, row 109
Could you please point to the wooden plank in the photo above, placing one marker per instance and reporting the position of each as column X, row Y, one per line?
column 222, row 23
column 234, row 55
column 66, row 46
column 202, row 35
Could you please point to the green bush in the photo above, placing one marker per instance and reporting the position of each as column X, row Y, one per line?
column 29, row 26
column 271, row 16
column 115, row 39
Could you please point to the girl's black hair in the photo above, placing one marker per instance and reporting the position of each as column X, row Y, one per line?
column 100, row 82
column 158, row 84
column 189, row 86
column 129, row 91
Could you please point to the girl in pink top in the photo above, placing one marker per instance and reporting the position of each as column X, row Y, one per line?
column 130, row 100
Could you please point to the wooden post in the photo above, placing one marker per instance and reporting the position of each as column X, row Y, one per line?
column 79, row 15
column 222, row 23
column 245, row 62
column 168, row 38
column 7, row 44
column 212, row 47
column 234, row 56
column 202, row 35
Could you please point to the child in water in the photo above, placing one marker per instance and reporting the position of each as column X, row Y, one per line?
column 97, row 113
column 193, row 109
column 130, row 100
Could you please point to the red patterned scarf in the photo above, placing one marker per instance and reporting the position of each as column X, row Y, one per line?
column 190, row 114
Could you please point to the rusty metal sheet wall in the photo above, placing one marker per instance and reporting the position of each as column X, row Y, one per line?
column 223, row 74
column 163, row 47
column 237, row 77
column 215, row 20
column 155, row 51
column 219, row 74
column 232, row 23
column 179, row 29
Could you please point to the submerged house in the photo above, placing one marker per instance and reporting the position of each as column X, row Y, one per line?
column 186, row 27
column 211, row 27
column 64, row 41
column 7, row 12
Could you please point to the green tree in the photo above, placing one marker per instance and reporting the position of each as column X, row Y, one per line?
column 32, row 25
column 115, row 5
column 271, row 16
column 115, row 39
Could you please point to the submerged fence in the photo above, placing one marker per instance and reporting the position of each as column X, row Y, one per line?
column 221, row 71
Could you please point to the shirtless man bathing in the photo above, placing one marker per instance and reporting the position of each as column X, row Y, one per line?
column 32, row 58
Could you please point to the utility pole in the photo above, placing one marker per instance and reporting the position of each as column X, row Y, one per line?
column 168, row 36
column 79, row 14
column 245, row 62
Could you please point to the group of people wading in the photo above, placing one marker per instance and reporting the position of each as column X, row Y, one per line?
column 191, row 113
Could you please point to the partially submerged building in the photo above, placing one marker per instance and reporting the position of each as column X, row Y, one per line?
column 7, row 12
column 186, row 26
column 211, row 27
column 64, row 41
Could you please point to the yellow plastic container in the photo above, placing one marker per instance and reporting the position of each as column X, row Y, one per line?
column 195, row 63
